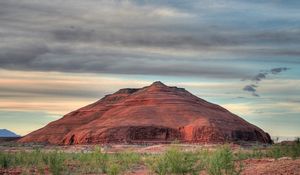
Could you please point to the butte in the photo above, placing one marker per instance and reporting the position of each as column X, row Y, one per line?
column 152, row 114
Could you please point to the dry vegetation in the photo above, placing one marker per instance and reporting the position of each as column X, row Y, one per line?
column 175, row 160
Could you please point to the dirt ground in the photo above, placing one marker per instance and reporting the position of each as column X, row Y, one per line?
column 283, row 166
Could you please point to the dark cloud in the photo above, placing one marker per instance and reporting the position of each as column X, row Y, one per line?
column 115, row 62
column 283, row 36
column 195, row 39
column 286, row 52
column 72, row 34
column 275, row 51
column 21, row 55
column 260, row 76
column 180, row 39
column 252, row 89
column 249, row 88
column 278, row 70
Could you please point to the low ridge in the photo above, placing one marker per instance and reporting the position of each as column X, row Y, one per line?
column 155, row 114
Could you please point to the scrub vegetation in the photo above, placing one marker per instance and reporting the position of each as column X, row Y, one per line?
column 220, row 161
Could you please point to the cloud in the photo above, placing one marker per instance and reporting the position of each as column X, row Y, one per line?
column 36, row 57
column 148, row 38
column 73, row 34
column 54, row 92
column 21, row 54
column 260, row 76
column 251, row 88
column 278, row 70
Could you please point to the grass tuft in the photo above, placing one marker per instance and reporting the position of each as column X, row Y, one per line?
column 175, row 161
column 222, row 162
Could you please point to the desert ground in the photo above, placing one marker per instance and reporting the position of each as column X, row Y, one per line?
column 175, row 158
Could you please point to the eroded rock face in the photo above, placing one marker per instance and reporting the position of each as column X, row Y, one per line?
column 156, row 114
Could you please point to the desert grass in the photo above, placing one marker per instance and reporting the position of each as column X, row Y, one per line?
column 275, row 151
column 220, row 161
column 58, row 162
column 174, row 161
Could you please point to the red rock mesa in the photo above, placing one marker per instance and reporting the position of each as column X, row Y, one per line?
column 152, row 114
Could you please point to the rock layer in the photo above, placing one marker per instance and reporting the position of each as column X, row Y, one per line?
column 155, row 114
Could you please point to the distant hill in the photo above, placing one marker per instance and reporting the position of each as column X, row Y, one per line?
column 7, row 133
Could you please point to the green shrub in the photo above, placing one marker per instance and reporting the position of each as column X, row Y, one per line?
column 56, row 162
column 157, row 164
column 182, row 162
column 94, row 162
column 126, row 159
column 5, row 160
column 275, row 151
column 295, row 149
column 242, row 155
column 99, row 162
column 121, row 162
column 175, row 161
column 257, row 153
column 114, row 169
column 100, row 159
column 221, row 161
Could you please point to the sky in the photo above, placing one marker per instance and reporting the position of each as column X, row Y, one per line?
column 57, row 56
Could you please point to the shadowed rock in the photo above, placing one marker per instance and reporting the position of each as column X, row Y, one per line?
column 152, row 114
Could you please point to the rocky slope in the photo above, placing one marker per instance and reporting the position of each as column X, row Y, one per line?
column 156, row 114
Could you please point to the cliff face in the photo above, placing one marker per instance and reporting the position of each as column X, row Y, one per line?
column 156, row 114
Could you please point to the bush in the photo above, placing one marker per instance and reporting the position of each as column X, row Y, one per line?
column 114, row 169
column 175, row 161
column 100, row 159
column 276, row 151
column 221, row 162
column 126, row 159
column 295, row 149
column 157, row 164
column 5, row 160
column 99, row 162
column 182, row 162
column 56, row 162
column 94, row 162
column 121, row 162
